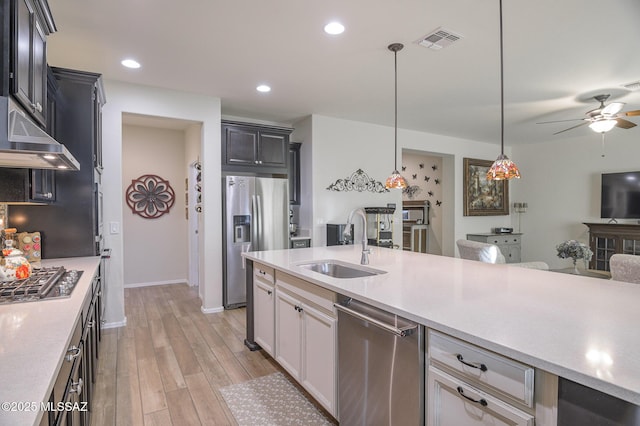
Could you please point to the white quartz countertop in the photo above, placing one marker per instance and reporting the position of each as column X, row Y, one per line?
column 34, row 336
column 584, row 329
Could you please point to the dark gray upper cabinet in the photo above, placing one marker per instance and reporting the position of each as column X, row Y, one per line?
column 248, row 147
column 79, row 100
column 294, row 173
column 31, row 23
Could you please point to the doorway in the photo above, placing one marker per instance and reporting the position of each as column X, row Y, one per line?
column 164, row 148
column 430, row 180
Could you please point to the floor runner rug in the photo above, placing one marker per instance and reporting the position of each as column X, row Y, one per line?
column 271, row 400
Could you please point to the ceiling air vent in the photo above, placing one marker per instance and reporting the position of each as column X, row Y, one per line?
column 632, row 86
column 439, row 38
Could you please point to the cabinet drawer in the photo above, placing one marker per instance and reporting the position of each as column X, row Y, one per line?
column 320, row 297
column 264, row 273
column 505, row 376
column 455, row 402
column 504, row 239
column 62, row 380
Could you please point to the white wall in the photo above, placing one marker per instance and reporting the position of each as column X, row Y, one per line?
column 454, row 150
column 129, row 98
column 158, row 152
column 339, row 147
column 561, row 184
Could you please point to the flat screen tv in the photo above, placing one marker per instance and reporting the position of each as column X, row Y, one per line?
column 620, row 195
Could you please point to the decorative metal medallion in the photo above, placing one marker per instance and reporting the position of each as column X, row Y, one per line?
column 358, row 181
column 150, row 196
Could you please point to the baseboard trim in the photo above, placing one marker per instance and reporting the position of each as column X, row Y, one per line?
column 117, row 324
column 211, row 310
column 149, row 284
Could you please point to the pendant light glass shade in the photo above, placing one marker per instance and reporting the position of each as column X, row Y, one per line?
column 502, row 168
column 395, row 181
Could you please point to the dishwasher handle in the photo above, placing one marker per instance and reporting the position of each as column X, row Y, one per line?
column 401, row 332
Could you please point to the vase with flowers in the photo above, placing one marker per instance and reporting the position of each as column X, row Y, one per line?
column 575, row 250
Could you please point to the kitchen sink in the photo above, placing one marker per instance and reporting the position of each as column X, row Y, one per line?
column 338, row 269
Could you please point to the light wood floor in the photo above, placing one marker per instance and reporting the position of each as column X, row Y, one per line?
column 167, row 365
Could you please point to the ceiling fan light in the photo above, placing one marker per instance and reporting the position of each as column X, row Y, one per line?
column 503, row 169
column 395, row 181
column 602, row 126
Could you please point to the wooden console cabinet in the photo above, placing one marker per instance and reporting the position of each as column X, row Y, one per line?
column 606, row 239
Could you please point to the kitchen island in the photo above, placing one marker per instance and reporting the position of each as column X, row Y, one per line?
column 34, row 337
column 579, row 328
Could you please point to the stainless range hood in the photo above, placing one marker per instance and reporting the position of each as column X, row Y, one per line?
column 25, row 145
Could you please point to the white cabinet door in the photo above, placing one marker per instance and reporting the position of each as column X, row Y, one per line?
column 319, row 357
column 289, row 333
column 452, row 402
column 264, row 315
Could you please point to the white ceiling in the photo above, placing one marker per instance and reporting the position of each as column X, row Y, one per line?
column 557, row 54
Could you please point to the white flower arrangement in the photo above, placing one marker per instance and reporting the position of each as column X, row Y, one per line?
column 575, row 250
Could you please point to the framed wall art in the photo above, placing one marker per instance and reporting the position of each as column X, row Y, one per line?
column 481, row 196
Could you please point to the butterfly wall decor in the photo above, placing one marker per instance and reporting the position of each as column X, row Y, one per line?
column 415, row 171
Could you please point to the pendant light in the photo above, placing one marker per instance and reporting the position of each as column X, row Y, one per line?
column 502, row 168
column 395, row 180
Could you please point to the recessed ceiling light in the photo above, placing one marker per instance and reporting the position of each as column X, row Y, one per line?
column 263, row 88
column 334, row 28
column 130, row 63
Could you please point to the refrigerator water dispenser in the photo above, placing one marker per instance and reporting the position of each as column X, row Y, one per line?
column 242, row 229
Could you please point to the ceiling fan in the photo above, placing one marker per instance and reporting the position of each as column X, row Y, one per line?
column 603, row 118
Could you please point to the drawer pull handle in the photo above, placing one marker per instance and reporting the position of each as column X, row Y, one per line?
column 72, row 353
column 481, row 367
column 269, row 292
column 481, row 401
column 76, row 387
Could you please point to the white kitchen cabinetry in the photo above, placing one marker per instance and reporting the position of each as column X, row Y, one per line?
column 319, row 356
column 453, row 402
column 288, row 333
column 306, row 335
column 264, row 307
column 468, row 385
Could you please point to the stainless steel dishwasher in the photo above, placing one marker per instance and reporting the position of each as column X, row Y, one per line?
column 380, row 367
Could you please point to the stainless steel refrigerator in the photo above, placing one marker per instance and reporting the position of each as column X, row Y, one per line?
column 256, row 217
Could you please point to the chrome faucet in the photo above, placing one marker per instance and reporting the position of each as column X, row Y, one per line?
column 364, row 260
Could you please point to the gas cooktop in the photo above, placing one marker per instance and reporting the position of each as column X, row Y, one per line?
column 44, row 283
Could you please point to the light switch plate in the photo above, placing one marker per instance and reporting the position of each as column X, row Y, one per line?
column 114, row 227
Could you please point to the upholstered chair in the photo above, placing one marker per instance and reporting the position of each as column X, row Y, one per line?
column 625, row 267
column 490, row 253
